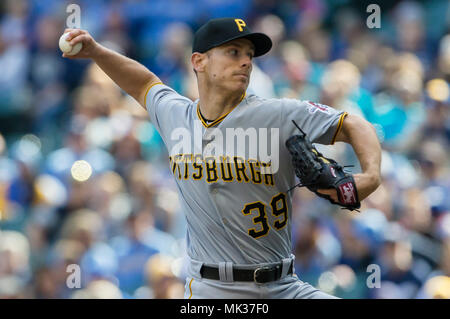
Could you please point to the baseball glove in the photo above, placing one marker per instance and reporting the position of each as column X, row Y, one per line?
column 318, row 172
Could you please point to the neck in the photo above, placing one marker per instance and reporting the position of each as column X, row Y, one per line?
column 215, row 103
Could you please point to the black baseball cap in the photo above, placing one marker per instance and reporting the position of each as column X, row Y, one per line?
column 219, row 31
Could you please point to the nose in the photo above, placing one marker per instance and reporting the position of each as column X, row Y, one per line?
column 246, row 62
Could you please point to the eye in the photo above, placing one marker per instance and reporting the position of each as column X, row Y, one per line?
column 234, row 52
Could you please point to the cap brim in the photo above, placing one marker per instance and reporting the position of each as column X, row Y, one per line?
column 262, row 42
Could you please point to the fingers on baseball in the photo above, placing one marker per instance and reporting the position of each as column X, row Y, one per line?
column 74, row 33
column 77, row 39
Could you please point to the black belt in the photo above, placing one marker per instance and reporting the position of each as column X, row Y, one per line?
column 259, row 275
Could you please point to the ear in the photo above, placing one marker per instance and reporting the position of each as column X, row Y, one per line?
column 199, row 61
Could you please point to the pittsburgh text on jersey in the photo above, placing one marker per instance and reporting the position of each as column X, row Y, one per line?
column 222, row 168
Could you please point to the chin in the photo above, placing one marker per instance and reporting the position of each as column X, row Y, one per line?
column 240, row 86
column 234, row 86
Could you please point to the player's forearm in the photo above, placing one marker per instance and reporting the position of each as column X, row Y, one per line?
column 362, row 136
column 128, row 74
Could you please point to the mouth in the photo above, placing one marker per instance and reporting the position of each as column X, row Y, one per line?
column 242, row 75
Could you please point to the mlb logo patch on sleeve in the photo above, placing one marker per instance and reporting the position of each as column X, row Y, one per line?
column 314, row 107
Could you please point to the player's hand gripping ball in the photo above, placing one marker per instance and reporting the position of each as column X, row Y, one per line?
column 68, row 49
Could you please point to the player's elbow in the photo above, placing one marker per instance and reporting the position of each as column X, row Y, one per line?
column 376, row 180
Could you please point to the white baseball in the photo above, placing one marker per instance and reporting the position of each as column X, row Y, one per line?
column 65, row 46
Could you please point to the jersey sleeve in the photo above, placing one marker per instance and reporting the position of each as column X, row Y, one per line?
column 320, row 122
column 161, row 103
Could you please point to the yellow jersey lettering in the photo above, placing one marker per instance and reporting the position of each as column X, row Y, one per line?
column 256, row 174
column 226, row 174
column 239, row 166
column 268, row 178
column 197, row 164
column 187, row 158
column 211, row 169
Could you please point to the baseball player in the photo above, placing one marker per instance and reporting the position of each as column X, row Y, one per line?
column 228, row 156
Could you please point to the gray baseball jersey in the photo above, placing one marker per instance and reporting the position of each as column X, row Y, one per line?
column 233, row 174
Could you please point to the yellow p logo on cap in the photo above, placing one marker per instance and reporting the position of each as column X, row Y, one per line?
column 240, row 23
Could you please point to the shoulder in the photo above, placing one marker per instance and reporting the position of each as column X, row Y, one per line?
column 257, row 101
column 291, row 105
column 281, row 103
column 161, row 93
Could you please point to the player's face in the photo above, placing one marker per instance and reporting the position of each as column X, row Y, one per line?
column 229, row 65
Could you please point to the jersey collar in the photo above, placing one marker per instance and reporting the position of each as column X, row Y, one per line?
column 220, row 119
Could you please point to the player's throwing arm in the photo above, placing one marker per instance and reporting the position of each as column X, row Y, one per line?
column 128, row 74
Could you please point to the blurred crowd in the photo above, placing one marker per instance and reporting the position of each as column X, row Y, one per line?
column 84, row 176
